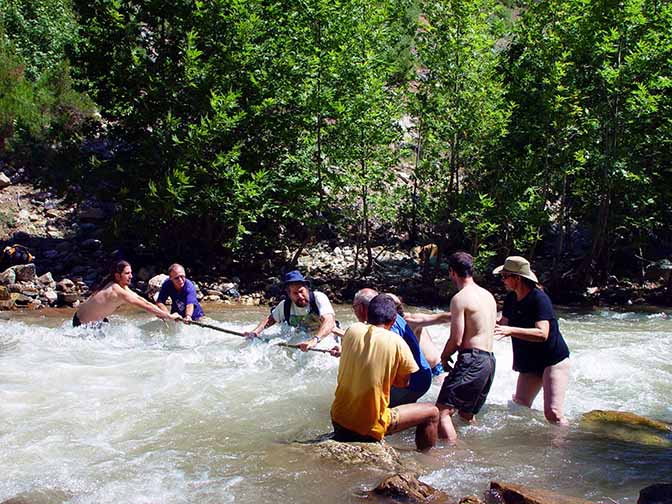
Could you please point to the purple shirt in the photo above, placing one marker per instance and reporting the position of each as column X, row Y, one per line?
column 180, row 299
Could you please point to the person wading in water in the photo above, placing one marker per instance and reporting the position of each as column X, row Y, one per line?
column 115, row 291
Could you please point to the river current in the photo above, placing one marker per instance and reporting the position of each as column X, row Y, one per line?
column 145, row 413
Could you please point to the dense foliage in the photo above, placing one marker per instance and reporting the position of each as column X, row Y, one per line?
column 244, row 129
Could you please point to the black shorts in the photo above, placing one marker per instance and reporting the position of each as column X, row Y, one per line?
column 344, row 435
column 76, row 322
column 466, row 387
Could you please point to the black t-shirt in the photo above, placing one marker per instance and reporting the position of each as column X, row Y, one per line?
column 528, row 356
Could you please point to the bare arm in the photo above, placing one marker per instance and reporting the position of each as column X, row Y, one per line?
column 536, row 334
column 420, row 320
column 456, row 330
column 264, row 324
column 132, row 298
column 163, row 307
column 327, row 325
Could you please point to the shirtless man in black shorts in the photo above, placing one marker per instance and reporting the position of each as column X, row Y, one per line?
column 473, row 316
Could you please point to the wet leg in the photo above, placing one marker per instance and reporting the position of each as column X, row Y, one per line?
column 423, row 415
column 527, row 388
column 555, row 380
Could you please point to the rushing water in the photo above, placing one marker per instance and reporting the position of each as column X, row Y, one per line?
column 144, row 413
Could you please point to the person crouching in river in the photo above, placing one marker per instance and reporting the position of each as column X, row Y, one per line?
column 372, row 360
column 540, row 354
column 115, row 292
column 182, row 294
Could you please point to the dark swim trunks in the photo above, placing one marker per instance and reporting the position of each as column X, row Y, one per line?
column 76, row 322
column 344, row 435
column 468, row 384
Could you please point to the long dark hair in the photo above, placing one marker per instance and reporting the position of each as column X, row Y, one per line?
column 115, row 268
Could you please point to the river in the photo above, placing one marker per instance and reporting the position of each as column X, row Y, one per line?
column 143, row 413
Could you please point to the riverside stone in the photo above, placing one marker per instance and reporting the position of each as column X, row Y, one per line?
column 8, row 277
column 627, row 426
column 6, row 304
column 65, row 285
column 154, row 286
column 379, row 455
column 407, row 487
column 511, row 493
column 46, row 279
column 25, row 272
column 4, row 293
column 51, row 296
column 4, row 180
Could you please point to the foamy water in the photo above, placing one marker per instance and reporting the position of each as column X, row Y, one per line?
column 146, row 413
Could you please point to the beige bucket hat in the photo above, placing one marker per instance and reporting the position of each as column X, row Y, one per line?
column 516, row 265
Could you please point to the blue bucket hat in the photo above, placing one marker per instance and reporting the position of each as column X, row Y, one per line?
column 293, row 276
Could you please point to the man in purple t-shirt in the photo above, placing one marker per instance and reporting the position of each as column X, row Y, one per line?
column 182, row 294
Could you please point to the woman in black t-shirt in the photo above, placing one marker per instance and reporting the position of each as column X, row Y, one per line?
column 540, row 353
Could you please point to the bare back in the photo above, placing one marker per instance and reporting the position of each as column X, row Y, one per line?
column 102, row 304
column 476, row 310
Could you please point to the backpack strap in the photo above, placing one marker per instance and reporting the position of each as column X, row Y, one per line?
column 313, row 303
column 287, row 307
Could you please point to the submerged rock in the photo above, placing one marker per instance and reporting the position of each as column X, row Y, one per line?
column 40, row 497
column 378, row 455
column 407, row 487
column 629, row 427
column 660, row 493
column 509, row 493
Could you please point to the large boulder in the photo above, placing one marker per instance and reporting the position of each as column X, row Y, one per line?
column 154, row 286
column 629, row 427
column 408, row 488
column 660, row 493
column 8, row 277
column 379, row 455
column 25, row 272
column 510, row 493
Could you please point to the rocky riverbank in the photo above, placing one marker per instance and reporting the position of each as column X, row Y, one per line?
column 67, row 240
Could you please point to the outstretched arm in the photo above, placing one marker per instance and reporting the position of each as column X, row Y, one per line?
column 264, row 324
column 327, row 325
column 420, row 320
column 132, row 298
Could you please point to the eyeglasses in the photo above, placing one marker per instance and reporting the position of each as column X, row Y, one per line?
column 507, row 275
column 178, row 277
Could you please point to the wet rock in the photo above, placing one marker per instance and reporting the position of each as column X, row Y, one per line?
column 20, row 299
column 379, row 455
column 510, row 493
column 470, row 499
column 629, row 427
column 154, row 286
column 4, row 180
column 68, row 298
column 47, row 279
column 30, row 291
column 660, row 493
column 8, row 277
column 47, row 496
column 4, row 293
column 50, row 254
column 65, row 285
column 25, row 272
column 407, row 487
column 51, row 296
column 6, row 304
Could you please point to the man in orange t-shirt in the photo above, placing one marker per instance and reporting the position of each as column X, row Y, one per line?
column 372, row 360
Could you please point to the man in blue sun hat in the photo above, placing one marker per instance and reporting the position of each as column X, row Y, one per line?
column 305, row 309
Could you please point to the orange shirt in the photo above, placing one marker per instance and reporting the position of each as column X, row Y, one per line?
column 372, row 360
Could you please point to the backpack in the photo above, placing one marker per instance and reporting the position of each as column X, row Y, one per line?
column 13, row 255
